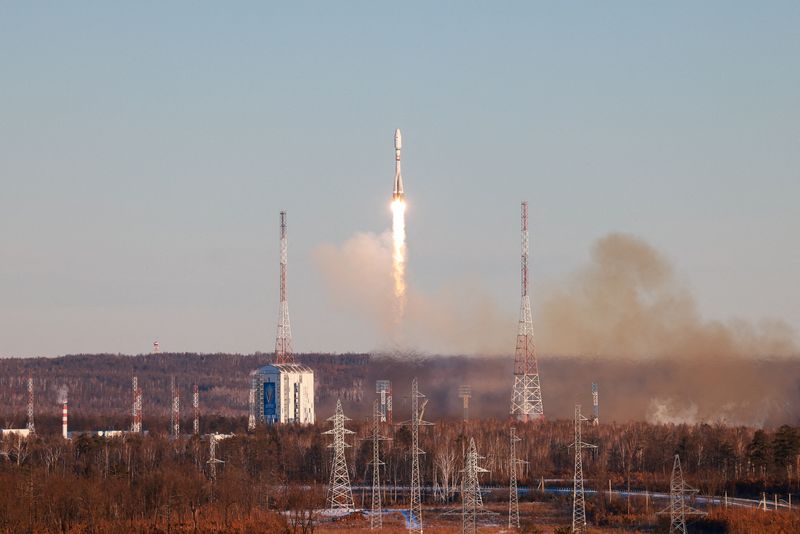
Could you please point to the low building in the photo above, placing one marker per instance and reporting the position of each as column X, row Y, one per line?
column 284, row 393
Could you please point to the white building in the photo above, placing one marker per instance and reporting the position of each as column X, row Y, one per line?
column 284, row 393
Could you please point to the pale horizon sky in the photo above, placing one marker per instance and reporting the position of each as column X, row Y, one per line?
column 147, row 148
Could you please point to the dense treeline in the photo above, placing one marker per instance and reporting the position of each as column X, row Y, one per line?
column 152, row 483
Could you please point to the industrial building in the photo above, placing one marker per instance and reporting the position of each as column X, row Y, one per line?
column 284, row 393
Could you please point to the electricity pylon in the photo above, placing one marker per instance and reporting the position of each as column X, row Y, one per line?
column 340, row 495
column 513, row 494
column 417, row 411
column 578, row 502
column 471, row 499
column 678, row 509
column 376, row 517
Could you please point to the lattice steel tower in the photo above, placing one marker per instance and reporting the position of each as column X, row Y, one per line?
column 417, row 411
column 175, row 411
column 578, row 501
column 513, row 493
column 471, row 499
column 283, row 341
column 196, row 410
column 526, row 397
column 465, row 393
column 136, row 411
column 340, row 495
column 376, row 517
column 31, row 426
column 678, row 509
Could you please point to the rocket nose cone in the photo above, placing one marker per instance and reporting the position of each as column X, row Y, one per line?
column 398, row 139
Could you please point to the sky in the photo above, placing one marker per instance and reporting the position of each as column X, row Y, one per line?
column 146, row 149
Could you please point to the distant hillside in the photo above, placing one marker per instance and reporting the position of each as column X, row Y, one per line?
column 735, row 391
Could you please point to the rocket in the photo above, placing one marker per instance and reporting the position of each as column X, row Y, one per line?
column 398, row 194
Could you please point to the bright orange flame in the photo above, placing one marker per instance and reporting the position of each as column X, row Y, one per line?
column 399, row 255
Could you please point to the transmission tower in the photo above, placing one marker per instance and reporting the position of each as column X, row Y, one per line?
column 578, row 501
column 136, row 409
column 340, row 495
column 417, row 412
column 595, row 405
column 196, row 409
column 465, row 393
column 283, row 341
column 31, row 425
column 471, row 499
column 513, row 494
column 376, row 517
column 384, row 389
column 678, row 509
column 175, row 411
column 213, row 439
column 526, row 396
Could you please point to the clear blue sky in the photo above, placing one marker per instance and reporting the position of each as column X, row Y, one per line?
column 146, row 149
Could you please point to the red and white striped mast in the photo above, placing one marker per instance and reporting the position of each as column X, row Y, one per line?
column 526, row 395
column 283, row 341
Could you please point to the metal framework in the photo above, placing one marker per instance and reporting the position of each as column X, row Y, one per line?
column 156, row 347
column 513, row 493
column 465, row 394
column 526, row 396
column 678, row 509
column 384, row 389
column 196, row 410
column 136, row 410
column 283, row 341
column 340, row 494
column 471, row 499
column 578, row 502
column 31, row 426
column 213, row 439
column 417, row 412
column 175, row 418
column 376, row 517
column 251, row 419
column 595, row 405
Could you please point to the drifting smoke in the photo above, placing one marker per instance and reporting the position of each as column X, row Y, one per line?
column 627, row 303
column 399, row 258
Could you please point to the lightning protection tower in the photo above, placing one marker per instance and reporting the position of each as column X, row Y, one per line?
column 251, row 419
column 513, row 493
column 175, row 411
column 678, row 509
column 136, row 411
column 465, row 393
column 595, row 405
column 283, row 341
column 526, row 396
column 340, row 495
column 376, row 517
column 196, row 409
column 31, row 426
column 471, row 500
column 578, row 501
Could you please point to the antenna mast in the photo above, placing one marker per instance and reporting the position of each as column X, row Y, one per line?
column 526, row 396
column 283, row 341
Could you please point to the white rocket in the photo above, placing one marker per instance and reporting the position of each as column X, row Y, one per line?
column 398, row 178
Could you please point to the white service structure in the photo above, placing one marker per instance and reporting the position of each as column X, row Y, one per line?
column 284, row 393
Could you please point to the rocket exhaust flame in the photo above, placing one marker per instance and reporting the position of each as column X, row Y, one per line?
column 399, row 254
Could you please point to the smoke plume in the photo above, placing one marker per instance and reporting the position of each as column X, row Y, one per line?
column 627, row 303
